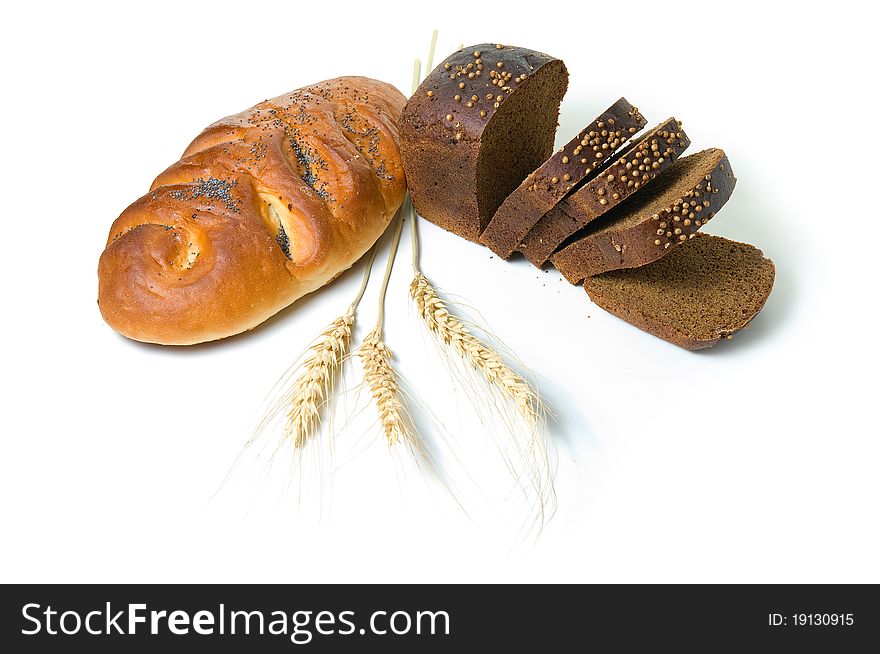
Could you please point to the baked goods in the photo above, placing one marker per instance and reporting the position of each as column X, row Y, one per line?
column 701, row 292
column 265, row 206
column 575, row 162
column 644, row 228
column 476, row 127
column 478, row 164
column 636, row 167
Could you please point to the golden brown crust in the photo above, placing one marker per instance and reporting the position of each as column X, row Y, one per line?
column 264, row 207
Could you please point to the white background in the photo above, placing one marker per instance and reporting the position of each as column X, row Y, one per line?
column 755, row 461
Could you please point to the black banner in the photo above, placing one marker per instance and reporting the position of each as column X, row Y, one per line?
column 333, row 618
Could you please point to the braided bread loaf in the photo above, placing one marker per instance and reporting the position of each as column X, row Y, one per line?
column 264, row 207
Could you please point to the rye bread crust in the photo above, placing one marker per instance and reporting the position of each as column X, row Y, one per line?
column 577, row 161
column 639, row 164
column 629, row 237
column 447, row 124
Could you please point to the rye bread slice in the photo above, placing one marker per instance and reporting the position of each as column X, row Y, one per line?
column 479, row 123
column 640, row 163
column 575, row 162
column 649, row 224
column 705, row 290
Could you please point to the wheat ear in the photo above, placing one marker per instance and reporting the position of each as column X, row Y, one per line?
column 374, row 354
column 490, row 365
column 453, row 332
column 301, row 402
column 376, row 358
column 380, row 378
column 531, row 464
column 379, row 373
column 314, row 385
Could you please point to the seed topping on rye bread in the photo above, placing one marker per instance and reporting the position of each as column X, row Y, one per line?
column 639, row 166
column 681, row 221
column 470, row 67
column 478, row 124
column 605, row 138
column 636, row 167
column 644, row 227
column 572, row 165
column 608, row 207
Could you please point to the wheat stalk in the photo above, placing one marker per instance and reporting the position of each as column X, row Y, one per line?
column 455, row 334
column 374, row 354
column 300, row 402
column 502, row 379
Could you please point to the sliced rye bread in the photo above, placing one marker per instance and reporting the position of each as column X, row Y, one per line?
column 577, row 161
column 476, row 127
column 640, row 163
column 649, row 224
column 705, row 290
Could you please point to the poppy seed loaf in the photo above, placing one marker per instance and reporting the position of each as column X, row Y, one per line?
column 645, row 227
column 575, row 162
column 640, row 163
column 478, row 124
column 264, row 207
column 705, row 290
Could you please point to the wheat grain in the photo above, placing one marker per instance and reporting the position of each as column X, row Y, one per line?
column 380, row 378
column 488, row 362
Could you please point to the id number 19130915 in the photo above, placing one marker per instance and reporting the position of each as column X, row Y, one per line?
column 811, row 620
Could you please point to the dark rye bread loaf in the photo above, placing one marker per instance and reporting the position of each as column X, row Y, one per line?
column 705, row 290
column 640, row 163
column 476, row 127
column 645, row 227
column 545, row 187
